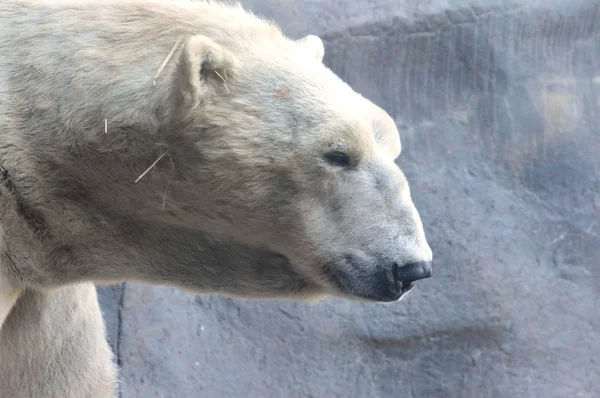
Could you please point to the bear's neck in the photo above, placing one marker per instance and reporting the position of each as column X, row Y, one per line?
column 60, row 243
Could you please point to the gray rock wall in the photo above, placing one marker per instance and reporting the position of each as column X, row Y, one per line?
column 498, row 104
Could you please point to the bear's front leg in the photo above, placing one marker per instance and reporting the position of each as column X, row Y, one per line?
column 53, row 345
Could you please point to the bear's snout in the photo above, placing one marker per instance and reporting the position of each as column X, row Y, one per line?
column 406, row 276
column 361, row 276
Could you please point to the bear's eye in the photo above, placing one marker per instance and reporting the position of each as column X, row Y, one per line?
column 338, row 158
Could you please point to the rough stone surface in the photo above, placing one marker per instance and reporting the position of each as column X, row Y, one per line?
column 498, row 104
column 110, row 298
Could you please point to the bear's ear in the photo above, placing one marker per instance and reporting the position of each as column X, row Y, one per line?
column 313, row 45
column 203, row 67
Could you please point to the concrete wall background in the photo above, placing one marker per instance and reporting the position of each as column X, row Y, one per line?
column 498, row 104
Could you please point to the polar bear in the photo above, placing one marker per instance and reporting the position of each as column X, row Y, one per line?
column 180, row 143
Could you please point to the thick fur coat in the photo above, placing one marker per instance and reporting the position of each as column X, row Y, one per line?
column 182, row 143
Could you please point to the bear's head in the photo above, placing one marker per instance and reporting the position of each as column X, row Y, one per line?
column 278, row 152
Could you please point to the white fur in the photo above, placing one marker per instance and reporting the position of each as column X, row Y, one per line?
column 181, row 143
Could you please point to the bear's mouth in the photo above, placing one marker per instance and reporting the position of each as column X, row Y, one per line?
column 405, row 287
column 374, row 286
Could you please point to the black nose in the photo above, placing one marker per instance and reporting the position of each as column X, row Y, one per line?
column 408, row 274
